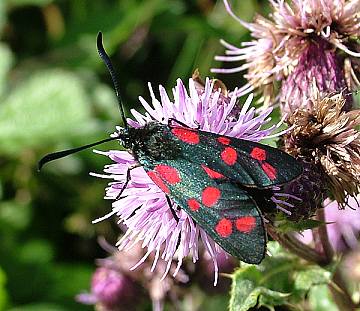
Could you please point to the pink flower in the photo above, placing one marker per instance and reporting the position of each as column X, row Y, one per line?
column 110, row 289
column 300, row 43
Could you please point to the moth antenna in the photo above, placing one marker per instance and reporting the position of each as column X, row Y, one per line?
column 60, row 154
column 110, row 67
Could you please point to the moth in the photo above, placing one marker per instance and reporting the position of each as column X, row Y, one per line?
column 221, row 182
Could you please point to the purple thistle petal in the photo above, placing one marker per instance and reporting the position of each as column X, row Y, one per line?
column 281, row 41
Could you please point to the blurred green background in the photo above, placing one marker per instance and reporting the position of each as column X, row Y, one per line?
column 55, row 94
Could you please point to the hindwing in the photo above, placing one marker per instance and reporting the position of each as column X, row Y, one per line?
column 226, row 212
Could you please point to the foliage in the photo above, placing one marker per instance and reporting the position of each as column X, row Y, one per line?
column 280, row 280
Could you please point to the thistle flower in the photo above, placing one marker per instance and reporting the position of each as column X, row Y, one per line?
column 301, row 41
column 110, row 290
column 310, row 187
column 343, row 225
column 143, row 208
column 326, row 136
column 114, row 287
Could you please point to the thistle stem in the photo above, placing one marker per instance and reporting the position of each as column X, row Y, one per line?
column 337, row 286
column 323, row 236
column 340, row 293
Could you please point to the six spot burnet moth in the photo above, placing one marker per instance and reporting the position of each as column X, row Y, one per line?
column 221, row 182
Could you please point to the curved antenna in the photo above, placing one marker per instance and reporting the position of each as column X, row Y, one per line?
column 110, row 67
column 60, row 154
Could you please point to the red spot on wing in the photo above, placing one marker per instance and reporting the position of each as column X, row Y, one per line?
column 158, row 181
column 258, row 154
column 193, row 204
column 229, row 156
column 269, row 170
column 210, row 196
column 168, row 173
column 186, row 135
column 224, row 140
column 245, row 224
column 224, row 228
column 212, row 174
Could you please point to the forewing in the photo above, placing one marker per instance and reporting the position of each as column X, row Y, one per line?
column 226, row 212
column 248, row 163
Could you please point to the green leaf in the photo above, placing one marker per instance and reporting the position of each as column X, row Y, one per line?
column 6, row 61
column 269, row 298
column 3, row 17
column 357, row 99
column 320, row 299
column 137, row 14
column 40, row 3
column 39, row 307
column 79, row 275
column 3, row 293
column 275, row 249
column 185, row 62
column 285, row 226
column 304, row 280
column 278, row 268
column 281, row 279
column 241, row 299
column 36, row 251
column 47, row 107
column 1, row 189
column 246, row 292
column 121, row 21
column 209, row 302
column 15, row 215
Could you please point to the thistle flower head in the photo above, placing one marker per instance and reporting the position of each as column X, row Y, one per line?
column 110, row 289
column 310, row 188
column 143, row 207
column 300, row 41
column 114, row 287
column 319, row 65
column 326, row 136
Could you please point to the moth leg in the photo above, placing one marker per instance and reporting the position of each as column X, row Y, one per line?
column 175, row 217
column 128, row 178
column 197, row 125
column 172, row 210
